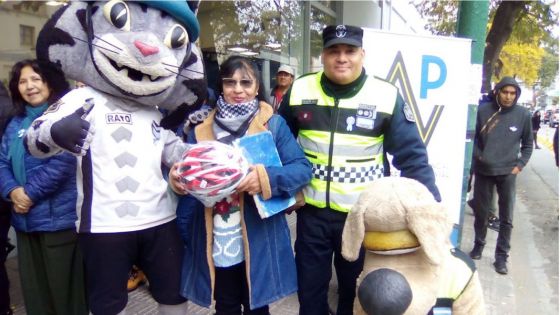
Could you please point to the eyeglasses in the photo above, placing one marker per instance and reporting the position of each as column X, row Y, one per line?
column 231, row 83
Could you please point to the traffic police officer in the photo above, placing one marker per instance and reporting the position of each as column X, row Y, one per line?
column 344, row 120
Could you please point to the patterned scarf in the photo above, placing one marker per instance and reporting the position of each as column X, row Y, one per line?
column 234, row 119
column 226, row 110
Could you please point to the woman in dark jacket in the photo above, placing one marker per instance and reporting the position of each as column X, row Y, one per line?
column 232, row 254
column 43, row 194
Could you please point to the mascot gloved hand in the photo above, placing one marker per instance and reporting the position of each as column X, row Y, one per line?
column 138, row 59
column 73, row 133
column 403, row 228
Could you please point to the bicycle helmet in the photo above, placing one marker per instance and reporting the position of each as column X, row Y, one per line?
column 211, row 170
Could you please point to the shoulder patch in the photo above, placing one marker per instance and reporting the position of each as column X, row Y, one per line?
column 408, row 114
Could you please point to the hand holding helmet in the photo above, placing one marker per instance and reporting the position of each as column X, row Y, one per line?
column 211, row 171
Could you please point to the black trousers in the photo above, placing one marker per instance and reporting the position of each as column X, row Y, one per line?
column 108, row 258
column 231, row 291
column 4, row 282
column 319, row 237
column 483, row 189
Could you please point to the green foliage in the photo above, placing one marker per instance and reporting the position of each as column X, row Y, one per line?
column 549, row 69
column 441, row 16
column 521, row 60
column 523, row 52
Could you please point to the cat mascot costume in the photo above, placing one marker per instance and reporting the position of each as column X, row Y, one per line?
column 138, row 60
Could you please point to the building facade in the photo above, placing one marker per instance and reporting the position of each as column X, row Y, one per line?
column 273, row 32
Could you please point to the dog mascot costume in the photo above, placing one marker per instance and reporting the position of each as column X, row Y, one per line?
column 404, row 229
column 138, row 59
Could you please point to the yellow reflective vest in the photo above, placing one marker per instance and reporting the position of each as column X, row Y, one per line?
column 342, row 138
column 459, row 272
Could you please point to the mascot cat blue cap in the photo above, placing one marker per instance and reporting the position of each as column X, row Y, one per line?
column 179, row 10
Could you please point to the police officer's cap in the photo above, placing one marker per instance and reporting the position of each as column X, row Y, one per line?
column 342, row 34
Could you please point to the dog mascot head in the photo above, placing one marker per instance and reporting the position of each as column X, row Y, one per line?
column 403, row 228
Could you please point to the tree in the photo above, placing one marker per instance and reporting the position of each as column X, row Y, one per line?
column 520, row 60
column 549, row 67
column 520, row 21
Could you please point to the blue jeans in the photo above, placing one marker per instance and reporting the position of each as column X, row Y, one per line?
column 483, row 189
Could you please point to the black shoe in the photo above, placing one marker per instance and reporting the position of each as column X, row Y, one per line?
column 476, row 252
column 500, row 267
column 471, row 203
column 494, row 223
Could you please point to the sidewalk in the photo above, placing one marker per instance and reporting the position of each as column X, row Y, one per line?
column 527, row 289
column 498, row 289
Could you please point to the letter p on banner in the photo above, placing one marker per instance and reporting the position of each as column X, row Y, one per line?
column 425, row 84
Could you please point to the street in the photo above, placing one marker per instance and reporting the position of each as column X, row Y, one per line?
column 531, row 287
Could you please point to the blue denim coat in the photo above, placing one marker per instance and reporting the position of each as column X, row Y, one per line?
column 51, row 185
column 269, row 257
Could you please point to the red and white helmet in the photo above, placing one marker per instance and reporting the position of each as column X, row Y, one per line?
column 211, row 170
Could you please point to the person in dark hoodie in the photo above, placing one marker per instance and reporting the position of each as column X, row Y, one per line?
column 503, row 129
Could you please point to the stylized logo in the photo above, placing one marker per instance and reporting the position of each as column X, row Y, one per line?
column 340, row 31
column 118, row 118
column 399, row 76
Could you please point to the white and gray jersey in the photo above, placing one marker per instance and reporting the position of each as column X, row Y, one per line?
column 120, row 181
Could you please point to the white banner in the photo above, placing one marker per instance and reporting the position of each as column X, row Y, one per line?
column 433, row 75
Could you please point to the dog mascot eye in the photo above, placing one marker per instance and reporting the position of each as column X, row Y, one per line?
column 117, row 13
column 176, row 37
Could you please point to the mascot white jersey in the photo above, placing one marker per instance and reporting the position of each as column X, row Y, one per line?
column 138, row 60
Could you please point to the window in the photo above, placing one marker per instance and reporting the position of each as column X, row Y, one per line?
column 27, row 35
column 269, row 31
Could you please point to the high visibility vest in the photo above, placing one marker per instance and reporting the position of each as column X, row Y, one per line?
column 342, row 138
column 458, row 274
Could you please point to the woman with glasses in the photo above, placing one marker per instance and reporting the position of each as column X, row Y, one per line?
column 232, row 255
column 43, row 194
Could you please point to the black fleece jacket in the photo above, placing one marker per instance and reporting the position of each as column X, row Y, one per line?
column 500, row 138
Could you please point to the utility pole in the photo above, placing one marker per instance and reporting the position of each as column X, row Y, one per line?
column 471, row 23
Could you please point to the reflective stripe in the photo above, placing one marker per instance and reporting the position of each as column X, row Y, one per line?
column 343, row 195
column 353, row 146
column 356, row 160
column 442, row 311
column 348, row 174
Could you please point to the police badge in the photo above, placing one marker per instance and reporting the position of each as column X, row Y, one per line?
column 408, row 114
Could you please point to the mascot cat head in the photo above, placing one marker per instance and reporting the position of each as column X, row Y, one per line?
column 139, row 50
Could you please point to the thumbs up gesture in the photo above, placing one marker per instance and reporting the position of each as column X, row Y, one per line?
column 74, row 133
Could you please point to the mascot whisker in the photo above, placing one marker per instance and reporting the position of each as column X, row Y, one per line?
column 138, row 59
